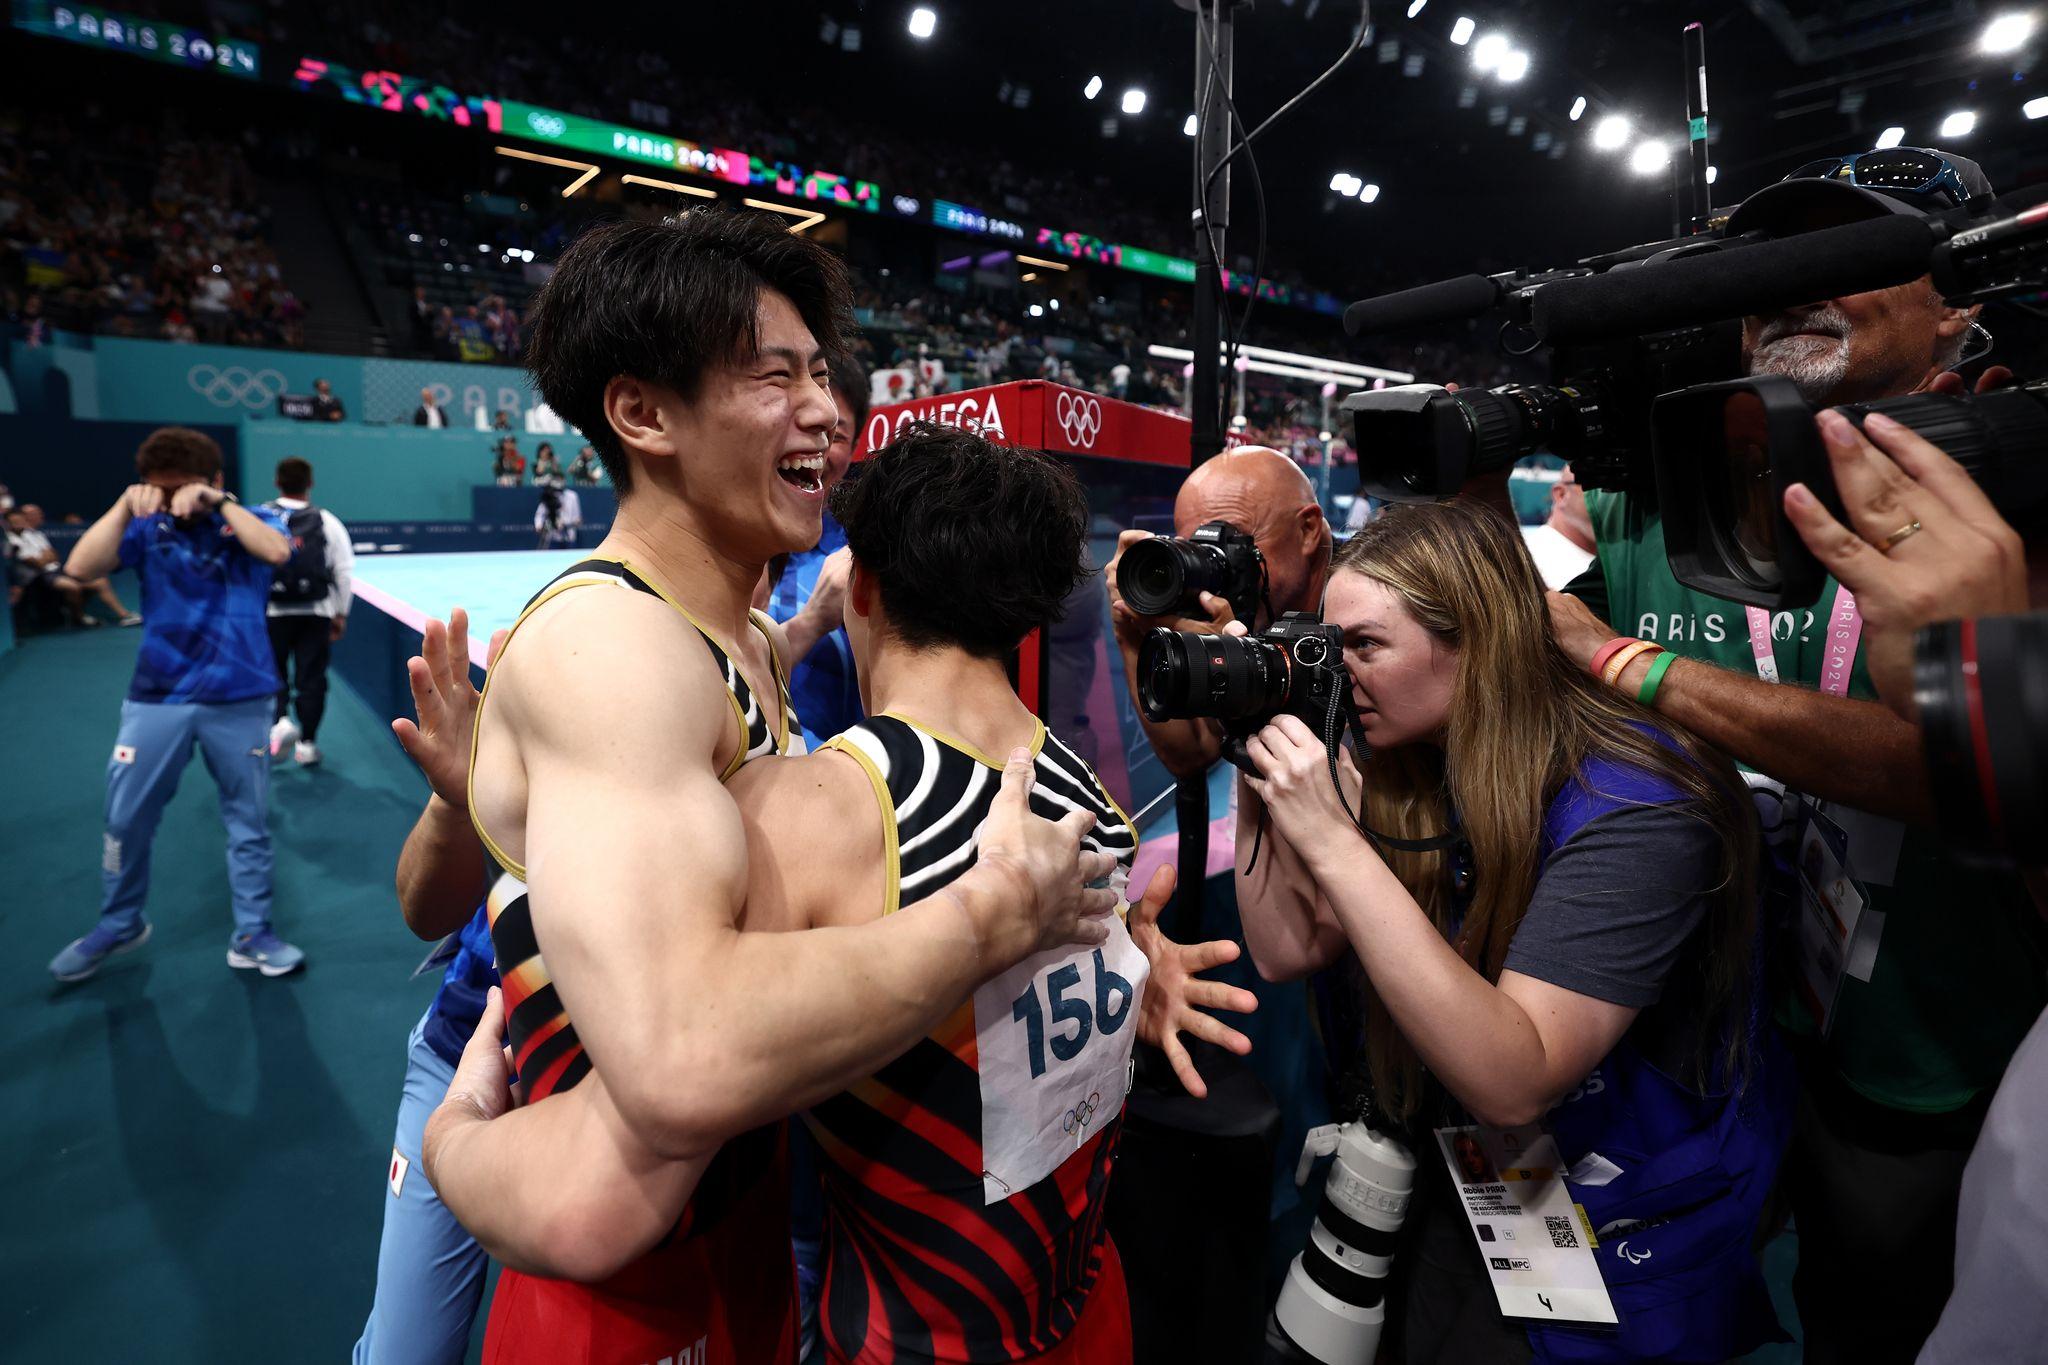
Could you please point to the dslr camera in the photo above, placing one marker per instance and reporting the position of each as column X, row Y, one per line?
column 1295, row 667
column 1167, row 575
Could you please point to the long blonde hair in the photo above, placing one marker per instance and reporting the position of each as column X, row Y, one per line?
column 1523, row 720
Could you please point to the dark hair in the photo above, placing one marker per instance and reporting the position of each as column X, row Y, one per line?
column 546, row 448
column 294, row 476
column 850, row 381
column 177, row 450
column 973, row 544
column 666, row 302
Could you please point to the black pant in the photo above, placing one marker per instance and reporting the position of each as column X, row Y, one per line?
column 1874, row 1192
column 300, row 645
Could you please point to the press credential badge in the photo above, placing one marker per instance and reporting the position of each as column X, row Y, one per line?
column 1537, row 1251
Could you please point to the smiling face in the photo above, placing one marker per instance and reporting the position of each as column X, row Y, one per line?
column 1860, row 346
column 1402, row 675
column 750, row 451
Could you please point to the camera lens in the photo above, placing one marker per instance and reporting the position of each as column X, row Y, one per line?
column 1982, row 690
column 1184, row 674
column 1153, row 575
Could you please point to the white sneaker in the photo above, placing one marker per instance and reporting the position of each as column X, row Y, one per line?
column 304, row 754
column 286, row 731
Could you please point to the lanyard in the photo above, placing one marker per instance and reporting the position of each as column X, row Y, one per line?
column 1845, row 628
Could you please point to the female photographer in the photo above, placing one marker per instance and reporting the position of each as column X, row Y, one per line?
column 546, row 468
column 1584, row 954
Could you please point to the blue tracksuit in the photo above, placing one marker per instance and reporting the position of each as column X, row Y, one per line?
column 203, row 678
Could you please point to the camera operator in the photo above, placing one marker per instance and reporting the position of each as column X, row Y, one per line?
column 1259, row 491
column 1897, row 1072
column 1584, row 955
column 1969, row 563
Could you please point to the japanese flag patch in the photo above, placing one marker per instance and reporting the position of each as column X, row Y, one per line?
column 124, row 753
column 399, row 1166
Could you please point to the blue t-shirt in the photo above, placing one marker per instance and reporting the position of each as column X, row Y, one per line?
column 451, row 1019
column 822, row 683
column 204, row 599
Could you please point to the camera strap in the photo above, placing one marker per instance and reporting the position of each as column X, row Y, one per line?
column 1845, row 631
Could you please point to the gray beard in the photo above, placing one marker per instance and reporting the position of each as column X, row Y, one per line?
column 1816, row 365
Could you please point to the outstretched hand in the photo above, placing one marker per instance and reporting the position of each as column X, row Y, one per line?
column 444, row 700
column 1174, row 997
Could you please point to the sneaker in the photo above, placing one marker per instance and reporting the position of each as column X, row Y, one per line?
column 286, row 731
column 131, row 619
column 84, row 956
column 89, row 623
column 305, row 754
column 267, row 953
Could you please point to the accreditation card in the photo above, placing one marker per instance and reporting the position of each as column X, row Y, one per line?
column 1534, row 1242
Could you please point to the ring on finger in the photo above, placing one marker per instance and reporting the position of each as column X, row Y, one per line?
column 1890, row 542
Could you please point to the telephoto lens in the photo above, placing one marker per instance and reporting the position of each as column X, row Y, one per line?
column 1333, row 1303
column 1982, row 690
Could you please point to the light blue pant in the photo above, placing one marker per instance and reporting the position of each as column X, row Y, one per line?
column 150, row 755
column 430, row 1273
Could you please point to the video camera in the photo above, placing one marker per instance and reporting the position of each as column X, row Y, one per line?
column 1652, row 402
column 1296, row 667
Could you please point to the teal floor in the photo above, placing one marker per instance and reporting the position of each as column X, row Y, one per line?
column 492, row 587
column 192, row 1159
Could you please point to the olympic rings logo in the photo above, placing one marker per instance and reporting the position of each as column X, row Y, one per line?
column 547, row 125
column 1080, row 1115
column 1080, row 417
column 235, row 386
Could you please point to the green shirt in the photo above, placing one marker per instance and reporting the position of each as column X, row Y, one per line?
column 1962, row 967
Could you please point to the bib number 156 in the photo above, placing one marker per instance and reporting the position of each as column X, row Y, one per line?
column 1112, row 1006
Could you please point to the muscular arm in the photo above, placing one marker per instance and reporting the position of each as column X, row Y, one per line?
column 1288, row 925
column 1835, row 748
column 637, row 864
column 442, row 872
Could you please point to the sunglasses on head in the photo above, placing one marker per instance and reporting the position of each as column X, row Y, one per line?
column 1896, row 170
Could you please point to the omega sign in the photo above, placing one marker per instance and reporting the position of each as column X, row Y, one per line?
column 984, row 416
column 1080, row 418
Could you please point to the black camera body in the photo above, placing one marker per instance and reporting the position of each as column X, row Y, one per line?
column 1167, row 575
column 1425, row 441
column 1295, row 667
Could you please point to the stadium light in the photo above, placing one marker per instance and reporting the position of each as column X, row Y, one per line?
column 1368, row 194
column 1134, row 101
column 1093, row 88
column 2037, row 108
column 1649, row 157
column 1713, row 174
column 1488, row 51
column 1345, row 183
column 1461, row 32
column 1188, row 129
column 1890, row 137
column 1958, row 124
column 923, row 23
column 1037, row 310
column 1514, row 66
column 1611, row 133
column 1416, row 7
column 2006, row 33
column 1578, row 108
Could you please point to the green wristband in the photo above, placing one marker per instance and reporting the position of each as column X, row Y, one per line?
column 1647, row 693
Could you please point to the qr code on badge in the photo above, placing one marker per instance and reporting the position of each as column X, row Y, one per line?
column 1562, row 1233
